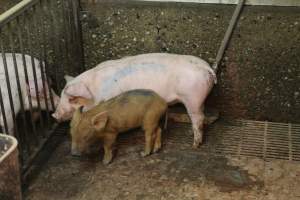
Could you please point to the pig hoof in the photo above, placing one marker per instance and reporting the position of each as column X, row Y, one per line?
column 144, row 154
column 106, row 162
column 155, row 150
column 195, row 146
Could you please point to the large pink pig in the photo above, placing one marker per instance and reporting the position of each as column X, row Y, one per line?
column 176, row 78
column 26, row 89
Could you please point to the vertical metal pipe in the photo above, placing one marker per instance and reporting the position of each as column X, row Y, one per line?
column 33, row 67
column 59, row 46
column 3, row 114
column 40, row 58
column 65, row 34
column 71, row 22
column 23, row 137
column 22, row 50
column 72, row 35
column 42, row 55
column 54, row 44
column 67, row 17
column 44, row 35
column 78, row 31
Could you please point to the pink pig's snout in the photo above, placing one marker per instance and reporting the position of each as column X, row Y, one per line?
column 58, row 117
column 55, row 116
column 62, row 115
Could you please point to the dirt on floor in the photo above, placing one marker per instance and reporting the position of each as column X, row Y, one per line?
column 176, row 172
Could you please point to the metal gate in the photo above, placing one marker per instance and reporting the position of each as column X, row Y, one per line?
column 38, row 40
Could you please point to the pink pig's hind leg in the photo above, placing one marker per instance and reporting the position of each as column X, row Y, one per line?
column 196, row 113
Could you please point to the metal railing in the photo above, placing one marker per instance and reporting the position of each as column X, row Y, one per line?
column 39, row 39
column 247, row 2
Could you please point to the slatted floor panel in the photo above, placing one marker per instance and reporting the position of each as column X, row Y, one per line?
column 265, row 140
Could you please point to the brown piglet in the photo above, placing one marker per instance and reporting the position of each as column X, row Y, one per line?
column 132, row 109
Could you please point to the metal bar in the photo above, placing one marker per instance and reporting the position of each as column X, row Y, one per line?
column 26, row 79
column 42, row 58
column 248, row 2
column 60, row 49
column 11, row 101
column 70, row 32
column 33, row 69
column 69, row 12
column 8, row 85
column 38, row 44
column 78, row 31
column 290, row 142
column 74, row 44
column 228, row 34
column 55, row 45
column 42, row 17
column 3, row 112
column 241, row 137
column 15, row 11
column 265, row 140
column 49, row 87
column 65, row 35
column 42, row 65
column 16, row 71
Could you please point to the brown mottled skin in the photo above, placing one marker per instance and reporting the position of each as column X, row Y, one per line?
column 136, row 108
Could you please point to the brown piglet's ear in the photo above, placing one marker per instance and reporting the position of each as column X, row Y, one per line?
column 99, row 121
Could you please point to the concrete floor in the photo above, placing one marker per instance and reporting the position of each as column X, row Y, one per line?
column 176, row 172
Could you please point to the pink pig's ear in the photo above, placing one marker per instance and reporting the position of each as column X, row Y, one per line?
column 79, row 94
column 99, row 121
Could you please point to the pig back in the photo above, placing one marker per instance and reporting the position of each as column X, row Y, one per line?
column 129, row 109
column 168, row 75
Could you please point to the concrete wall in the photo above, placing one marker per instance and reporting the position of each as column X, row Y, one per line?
column 260, row 76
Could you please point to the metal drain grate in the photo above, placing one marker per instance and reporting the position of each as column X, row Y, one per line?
column 266, row 140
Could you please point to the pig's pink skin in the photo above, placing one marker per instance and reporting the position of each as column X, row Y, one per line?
column 24, row 88
column 176, row 78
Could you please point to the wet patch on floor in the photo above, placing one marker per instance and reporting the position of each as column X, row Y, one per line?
column 193, row 166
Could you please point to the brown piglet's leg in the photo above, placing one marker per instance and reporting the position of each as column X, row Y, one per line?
column 109, row 140
column 148, row 142
column 157, row 142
